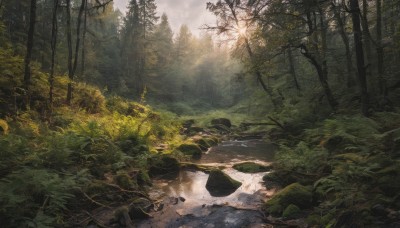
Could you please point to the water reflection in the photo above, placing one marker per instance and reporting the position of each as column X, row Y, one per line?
column 191, row 185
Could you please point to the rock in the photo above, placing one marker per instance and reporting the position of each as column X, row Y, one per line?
column 220, row 184
column 221, row 128
column 139, row 209
column 295, row 193
column 188, row 123
column 191, row 149
column 164, row 165
column 251, row 167
column 222, row 121
column 292, row 211
column 203, row 144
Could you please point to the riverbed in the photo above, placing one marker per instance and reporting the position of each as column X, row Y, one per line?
column 187, row 203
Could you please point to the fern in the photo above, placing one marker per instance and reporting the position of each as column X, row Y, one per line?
column 36, row 196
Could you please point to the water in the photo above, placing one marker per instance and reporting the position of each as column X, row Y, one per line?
column 191, row 185
column 198, row 204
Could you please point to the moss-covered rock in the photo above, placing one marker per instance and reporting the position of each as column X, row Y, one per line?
column 143, row 178
column 251, row 167
column 203, row 144
column 190, row 149
column 163, row 166
column 222, row 121
column 291, row 211
column 139, row 208
column 123, row 180
column 295, row 193
column 220, row 184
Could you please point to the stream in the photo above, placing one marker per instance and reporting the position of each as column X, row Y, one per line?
column 187, row 203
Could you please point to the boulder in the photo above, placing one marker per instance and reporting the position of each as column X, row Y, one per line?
column 140, row 208
column 292, row 211
column 190, row 149
column 222, row 121
column 188, row 123
column 164, row 165
column 295, row 194
column 251, row 167
column 220, row 184
column 207, row 142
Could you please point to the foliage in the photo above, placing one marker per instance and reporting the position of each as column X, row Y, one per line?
column 36, row 197
column 302, row 157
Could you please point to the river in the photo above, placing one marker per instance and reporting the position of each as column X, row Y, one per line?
column 187, row 203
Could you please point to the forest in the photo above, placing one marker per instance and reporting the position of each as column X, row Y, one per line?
column 280, row 114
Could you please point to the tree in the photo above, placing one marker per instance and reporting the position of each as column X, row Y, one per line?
column 139, row 25
column 54, row 31
column 234, row 18
column 355, row 11
column 29, row 46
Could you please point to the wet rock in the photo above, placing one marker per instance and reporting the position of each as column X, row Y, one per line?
column 222, row 121
column 220, row 184
column 203, row 144
column 251, row 167
column 295, row 194
column 191, row 149
column 162, row 166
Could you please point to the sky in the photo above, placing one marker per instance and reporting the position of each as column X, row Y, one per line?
column 193, row 13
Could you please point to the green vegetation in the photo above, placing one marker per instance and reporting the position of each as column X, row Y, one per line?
column 95, row 103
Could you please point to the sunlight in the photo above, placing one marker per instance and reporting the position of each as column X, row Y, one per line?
column 242, row 30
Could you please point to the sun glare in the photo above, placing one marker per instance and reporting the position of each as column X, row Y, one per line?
column 242, row 30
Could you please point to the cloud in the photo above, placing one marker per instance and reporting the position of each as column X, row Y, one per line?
column 193, row 13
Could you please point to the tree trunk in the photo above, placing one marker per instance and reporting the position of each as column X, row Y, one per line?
column 355, row 13
column 379, row 49
column 292, row 69
column 84, row 39
column 322, row 79
column 342, row 31
column 69, row 42
column 54, row 31
column 28, row 57
column 252, row 59
column 72, row 67
column 366, row 37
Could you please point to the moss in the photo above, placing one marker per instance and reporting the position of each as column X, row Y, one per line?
column 190, row 149
column 295, row 193
column 313, row 220
column 291, row 211
column 164, row 165
column 221, row 121
column 251, row 167
column 96, row 188
column 203, row 144
column 123, row 180
column 143, row 178
column 353, row 157
column 220, row 184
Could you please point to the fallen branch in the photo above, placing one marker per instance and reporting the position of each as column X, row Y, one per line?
column 255, row 124
column 98, row 223
column 94, row 201
column 276, row 122
column 129, row 191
